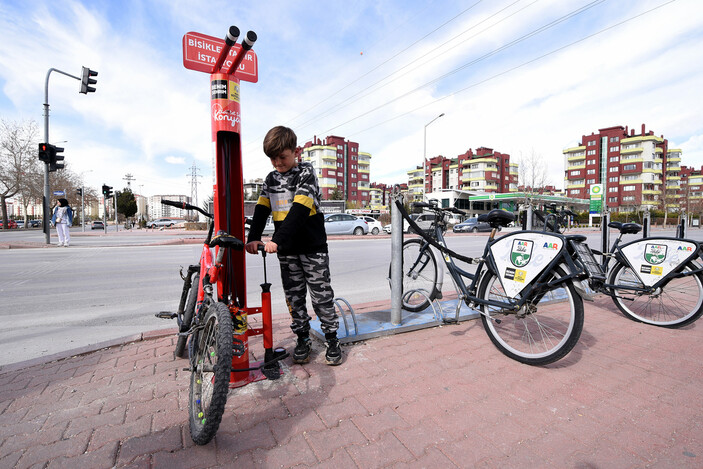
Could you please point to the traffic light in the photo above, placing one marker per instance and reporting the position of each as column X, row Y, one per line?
column 86, row 81
column 55, row 160
column 79, row 191
column 44, row 153
column 107, row 191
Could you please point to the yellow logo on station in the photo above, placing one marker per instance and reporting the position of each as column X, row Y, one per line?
column 234, row 91
column 520, row 275
column 656, row 270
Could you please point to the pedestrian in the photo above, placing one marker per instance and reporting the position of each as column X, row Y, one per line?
column 62, row 219
column 292, row 194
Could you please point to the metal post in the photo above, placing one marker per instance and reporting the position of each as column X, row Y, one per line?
column 396, row 257
column 114, row 198
column 528, row 225
column 682, row 226
column 605, row 232
column 83, row 208
column 646, row 223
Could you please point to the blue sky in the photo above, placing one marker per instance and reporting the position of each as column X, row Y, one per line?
column 519, row 76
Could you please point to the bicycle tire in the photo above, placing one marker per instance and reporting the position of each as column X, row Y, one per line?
column 209, row 380
column 187, row 318
column 678, row 303
column 419, row 273
column 539, row 337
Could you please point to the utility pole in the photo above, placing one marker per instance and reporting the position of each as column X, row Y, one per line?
column 193, row 188
column 129, row 178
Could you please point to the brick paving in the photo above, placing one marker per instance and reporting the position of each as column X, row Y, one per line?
column 629, row 395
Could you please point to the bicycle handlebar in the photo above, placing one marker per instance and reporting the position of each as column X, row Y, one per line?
column 437, row 208
column 185, row 206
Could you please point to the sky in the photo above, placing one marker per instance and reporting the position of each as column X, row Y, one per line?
column 520, row 76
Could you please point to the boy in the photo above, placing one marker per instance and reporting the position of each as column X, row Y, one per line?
column 292, row 195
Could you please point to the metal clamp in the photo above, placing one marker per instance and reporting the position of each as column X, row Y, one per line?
column 436, row 311
column 344, row 316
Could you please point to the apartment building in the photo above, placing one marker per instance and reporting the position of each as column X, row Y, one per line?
column 341, row 168
column 637, row 170
column 484, row 170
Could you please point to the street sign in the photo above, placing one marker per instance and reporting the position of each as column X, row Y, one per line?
column 59, row 193
column 200, row 53
column 596, row 199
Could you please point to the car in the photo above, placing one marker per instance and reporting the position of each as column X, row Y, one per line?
column 20, row 223
column 34, row 223
column 97, row 225
column 10, row 224
column 471, row 225
column 423, row 220
column 161, row 222
column 269, row 228
column 387, row 228
column 343, row 223
column 375, row 226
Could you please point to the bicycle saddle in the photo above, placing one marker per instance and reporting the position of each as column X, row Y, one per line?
column 227, row 241
column 497, row 218
column 576, row 237
column 626, row 228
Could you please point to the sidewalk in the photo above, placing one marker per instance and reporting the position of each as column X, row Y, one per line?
column 628, row 395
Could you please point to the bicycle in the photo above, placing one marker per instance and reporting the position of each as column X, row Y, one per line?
column 653, row 280
column 210, row 326
column 525, row 286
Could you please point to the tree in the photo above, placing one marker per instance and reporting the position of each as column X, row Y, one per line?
column 532, row 172
column 18, row 160
column 126, row 203
column 336, row 194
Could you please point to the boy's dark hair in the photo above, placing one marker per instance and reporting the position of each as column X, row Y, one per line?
column 278, row 139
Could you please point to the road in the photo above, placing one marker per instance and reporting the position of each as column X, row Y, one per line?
column 106, row 287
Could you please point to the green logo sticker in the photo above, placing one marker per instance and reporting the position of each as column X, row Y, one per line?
column 521, row 252
column 655, row 253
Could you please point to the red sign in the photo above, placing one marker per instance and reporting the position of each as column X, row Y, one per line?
column 200, row 53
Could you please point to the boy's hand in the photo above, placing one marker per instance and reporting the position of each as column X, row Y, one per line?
column 252, row 247
column 271, row 247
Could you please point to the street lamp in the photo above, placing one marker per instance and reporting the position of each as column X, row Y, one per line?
column 424, row 153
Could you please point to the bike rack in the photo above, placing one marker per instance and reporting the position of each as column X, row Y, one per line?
column 344, row 316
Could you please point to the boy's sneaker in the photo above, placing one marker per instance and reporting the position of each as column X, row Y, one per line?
column 301, row 354
column 333, row 356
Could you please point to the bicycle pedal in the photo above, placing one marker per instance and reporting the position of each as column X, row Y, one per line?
column 166, row 315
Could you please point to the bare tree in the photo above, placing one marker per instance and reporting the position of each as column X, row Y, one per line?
column 532, row 172
column 18, row 160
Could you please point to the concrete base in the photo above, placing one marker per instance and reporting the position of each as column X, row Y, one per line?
column 377, row 323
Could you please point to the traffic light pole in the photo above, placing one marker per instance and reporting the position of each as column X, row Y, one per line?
column 47, row 189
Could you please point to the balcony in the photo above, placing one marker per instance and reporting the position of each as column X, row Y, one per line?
column 631, row 151
column 575, row 149
column 578, row 185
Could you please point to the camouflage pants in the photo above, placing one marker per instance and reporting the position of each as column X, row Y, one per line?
column 311, row 272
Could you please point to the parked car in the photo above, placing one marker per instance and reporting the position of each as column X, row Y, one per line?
column 343, row 223
column 268, row 229
column 375, row 226
column 423, row 220
column 20, row 223
column 10, row 224
column 165, row 222
column 387, row 228
column 471, row 225
column 34, row 223
column 97, row 225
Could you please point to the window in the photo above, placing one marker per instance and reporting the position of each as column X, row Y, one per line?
column 591, row 181
column 591, row 171
column 591, row 142
column 590, row 152
column 615, row 148
column 614, row 139
column 629, row 167
column 613, row 179
column 614, row 159
column 574, row 173
column 629, row 198
column 628, row 188
column 574, row 192
column 591, row 162
column 612, row 189
column 612, row 199
column 613, row 169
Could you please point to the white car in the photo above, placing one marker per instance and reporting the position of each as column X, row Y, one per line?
column 268, row 229
column 375, row 226
column 161, row 222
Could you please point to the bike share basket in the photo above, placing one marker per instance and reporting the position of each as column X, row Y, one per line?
column 585, row 257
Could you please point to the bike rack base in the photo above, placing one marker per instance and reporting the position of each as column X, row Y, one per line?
column 377, row 323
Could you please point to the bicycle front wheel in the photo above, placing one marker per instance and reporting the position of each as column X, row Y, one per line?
column 543, row 331
column 187, row 317
column 209, row 381
column 678, row 303
column 419, row 275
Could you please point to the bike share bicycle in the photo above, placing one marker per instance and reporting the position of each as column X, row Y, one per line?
column 213, row 312
column 526, row 284
column 654, row 280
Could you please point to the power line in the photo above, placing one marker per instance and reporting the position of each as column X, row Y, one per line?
column 504, row 72
column 479, row 59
